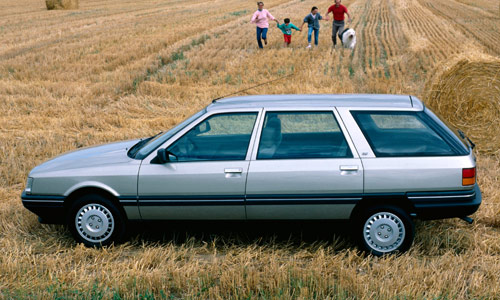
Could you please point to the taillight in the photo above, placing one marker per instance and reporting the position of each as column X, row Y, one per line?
column 469, row 176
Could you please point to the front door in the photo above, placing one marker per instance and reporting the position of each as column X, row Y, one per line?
column 206, row 175
column 303, row 168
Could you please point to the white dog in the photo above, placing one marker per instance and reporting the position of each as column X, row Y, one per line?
column 348, row 38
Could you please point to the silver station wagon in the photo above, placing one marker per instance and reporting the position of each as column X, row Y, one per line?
column 377, row 160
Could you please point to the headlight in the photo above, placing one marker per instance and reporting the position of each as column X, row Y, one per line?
column 29, row 183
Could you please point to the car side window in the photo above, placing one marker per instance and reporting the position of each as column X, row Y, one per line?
column 219, row 137
column 393, row 134
column 296, row 135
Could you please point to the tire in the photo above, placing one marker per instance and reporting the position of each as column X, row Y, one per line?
column 384, row 230
column 95, row 221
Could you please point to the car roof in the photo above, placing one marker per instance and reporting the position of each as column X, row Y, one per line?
column 319, row 100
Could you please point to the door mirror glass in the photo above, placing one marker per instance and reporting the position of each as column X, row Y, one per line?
column 171, row 157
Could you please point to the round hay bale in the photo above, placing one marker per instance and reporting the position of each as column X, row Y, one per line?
column 61, row 4
column 466, row 93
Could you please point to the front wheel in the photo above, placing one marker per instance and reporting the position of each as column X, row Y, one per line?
column 95, row 221
column 385, row 230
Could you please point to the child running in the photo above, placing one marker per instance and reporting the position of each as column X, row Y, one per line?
column 286, row 28
column 312, row 21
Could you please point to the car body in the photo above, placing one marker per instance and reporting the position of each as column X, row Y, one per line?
column 377, row 160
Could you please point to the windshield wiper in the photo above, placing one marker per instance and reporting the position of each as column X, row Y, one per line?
column 462, row 134
column 135, row 148
column 471, row 143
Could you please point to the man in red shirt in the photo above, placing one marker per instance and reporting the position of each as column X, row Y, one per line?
column 338, row 10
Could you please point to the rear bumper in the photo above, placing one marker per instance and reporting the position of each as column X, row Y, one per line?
column 441, row 205
column 49, row 208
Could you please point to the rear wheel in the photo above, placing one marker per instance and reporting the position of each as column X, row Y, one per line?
column 95, row 221
column 385, row 230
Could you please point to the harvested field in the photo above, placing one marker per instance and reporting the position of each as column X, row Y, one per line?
column 115, row 70
column 477, row 21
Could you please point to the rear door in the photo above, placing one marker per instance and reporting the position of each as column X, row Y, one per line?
column 304, row 166
column 206, row 176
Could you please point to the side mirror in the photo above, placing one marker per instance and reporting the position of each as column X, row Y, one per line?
column 162, row 156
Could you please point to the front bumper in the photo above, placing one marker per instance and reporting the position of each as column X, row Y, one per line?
column 49, row 208
column 441, row 205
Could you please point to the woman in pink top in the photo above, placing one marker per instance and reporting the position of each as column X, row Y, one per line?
column 260, row 18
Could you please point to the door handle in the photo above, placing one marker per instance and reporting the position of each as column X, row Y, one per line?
column 349, row 168
column 233, row 170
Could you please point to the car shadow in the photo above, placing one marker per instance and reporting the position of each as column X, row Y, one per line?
column 328, row 233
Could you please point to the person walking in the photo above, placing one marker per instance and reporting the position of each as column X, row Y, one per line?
column 338, row 10
column 260, row 18
column 312, row 21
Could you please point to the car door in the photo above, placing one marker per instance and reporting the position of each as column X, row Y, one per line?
column 303, row 167
column 206, row 173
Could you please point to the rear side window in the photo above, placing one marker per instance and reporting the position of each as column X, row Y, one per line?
column 393, row 134
column 296, row 135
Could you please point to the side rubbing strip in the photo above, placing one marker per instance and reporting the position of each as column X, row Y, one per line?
column 425, row 198
column 241, row 200
column 42, row 198
column 303, row 199
column 185, row 200
column 443, row 197
column 298, row 201
column 128, row 200
column 191, row 202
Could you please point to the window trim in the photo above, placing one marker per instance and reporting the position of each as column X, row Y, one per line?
column 422, row 117
column 202, row 118
column 336, row 117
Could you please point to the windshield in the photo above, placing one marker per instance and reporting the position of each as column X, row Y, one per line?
column 154, row 142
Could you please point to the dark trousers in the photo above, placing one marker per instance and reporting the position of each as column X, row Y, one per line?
column 337, row 29
column 261, row 33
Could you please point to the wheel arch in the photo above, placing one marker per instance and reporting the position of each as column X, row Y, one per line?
column 400, row 201
column 79, row 192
